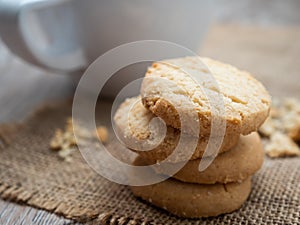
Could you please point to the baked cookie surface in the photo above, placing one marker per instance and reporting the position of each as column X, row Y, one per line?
column 246, row 102
column 135, row 129
column 241, row 162
column 195, row 200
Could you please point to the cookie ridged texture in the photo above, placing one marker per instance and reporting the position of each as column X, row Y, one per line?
column 195, row 200
column 132, row 121
column 246, row 101
column 235, row 165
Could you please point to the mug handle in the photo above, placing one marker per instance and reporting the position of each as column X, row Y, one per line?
column 43, row 32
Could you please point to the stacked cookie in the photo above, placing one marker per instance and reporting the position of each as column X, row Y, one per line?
column 167, row 94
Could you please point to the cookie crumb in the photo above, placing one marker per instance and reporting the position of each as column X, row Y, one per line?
column 102, row 133
column 268, row 127
column 64, row 141
column 65, row 153
column 282, row 128
column 281, row 145
column 57, row 140
column 284, row 117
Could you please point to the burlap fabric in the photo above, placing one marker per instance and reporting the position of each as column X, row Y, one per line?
column 33, row 174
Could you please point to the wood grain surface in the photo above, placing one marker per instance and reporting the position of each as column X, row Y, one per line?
column 267, row 45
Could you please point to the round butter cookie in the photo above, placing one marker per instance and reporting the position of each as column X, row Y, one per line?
column 139, row 130
column 246, row 102
column 195, row 200
column 235, row 165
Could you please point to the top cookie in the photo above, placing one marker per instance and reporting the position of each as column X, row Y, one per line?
column 246, row 102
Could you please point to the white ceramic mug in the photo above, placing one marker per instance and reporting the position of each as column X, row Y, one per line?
column 67, row 35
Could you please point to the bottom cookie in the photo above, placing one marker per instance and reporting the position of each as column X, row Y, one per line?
column 195, row 200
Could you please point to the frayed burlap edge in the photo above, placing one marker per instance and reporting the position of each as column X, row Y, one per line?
column 17, row 194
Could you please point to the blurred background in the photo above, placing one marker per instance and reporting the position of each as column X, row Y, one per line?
column 261, row 36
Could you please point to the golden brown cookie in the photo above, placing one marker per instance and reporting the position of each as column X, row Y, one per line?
column 236, row 165
column 246, row 101
column 195, row 200
column 133, row 125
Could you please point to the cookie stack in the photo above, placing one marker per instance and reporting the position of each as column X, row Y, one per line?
column 226, row 183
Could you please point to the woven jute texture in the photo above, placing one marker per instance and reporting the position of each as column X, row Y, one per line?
column 31, row 173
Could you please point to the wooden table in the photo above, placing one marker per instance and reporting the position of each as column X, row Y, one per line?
column 23, row 87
